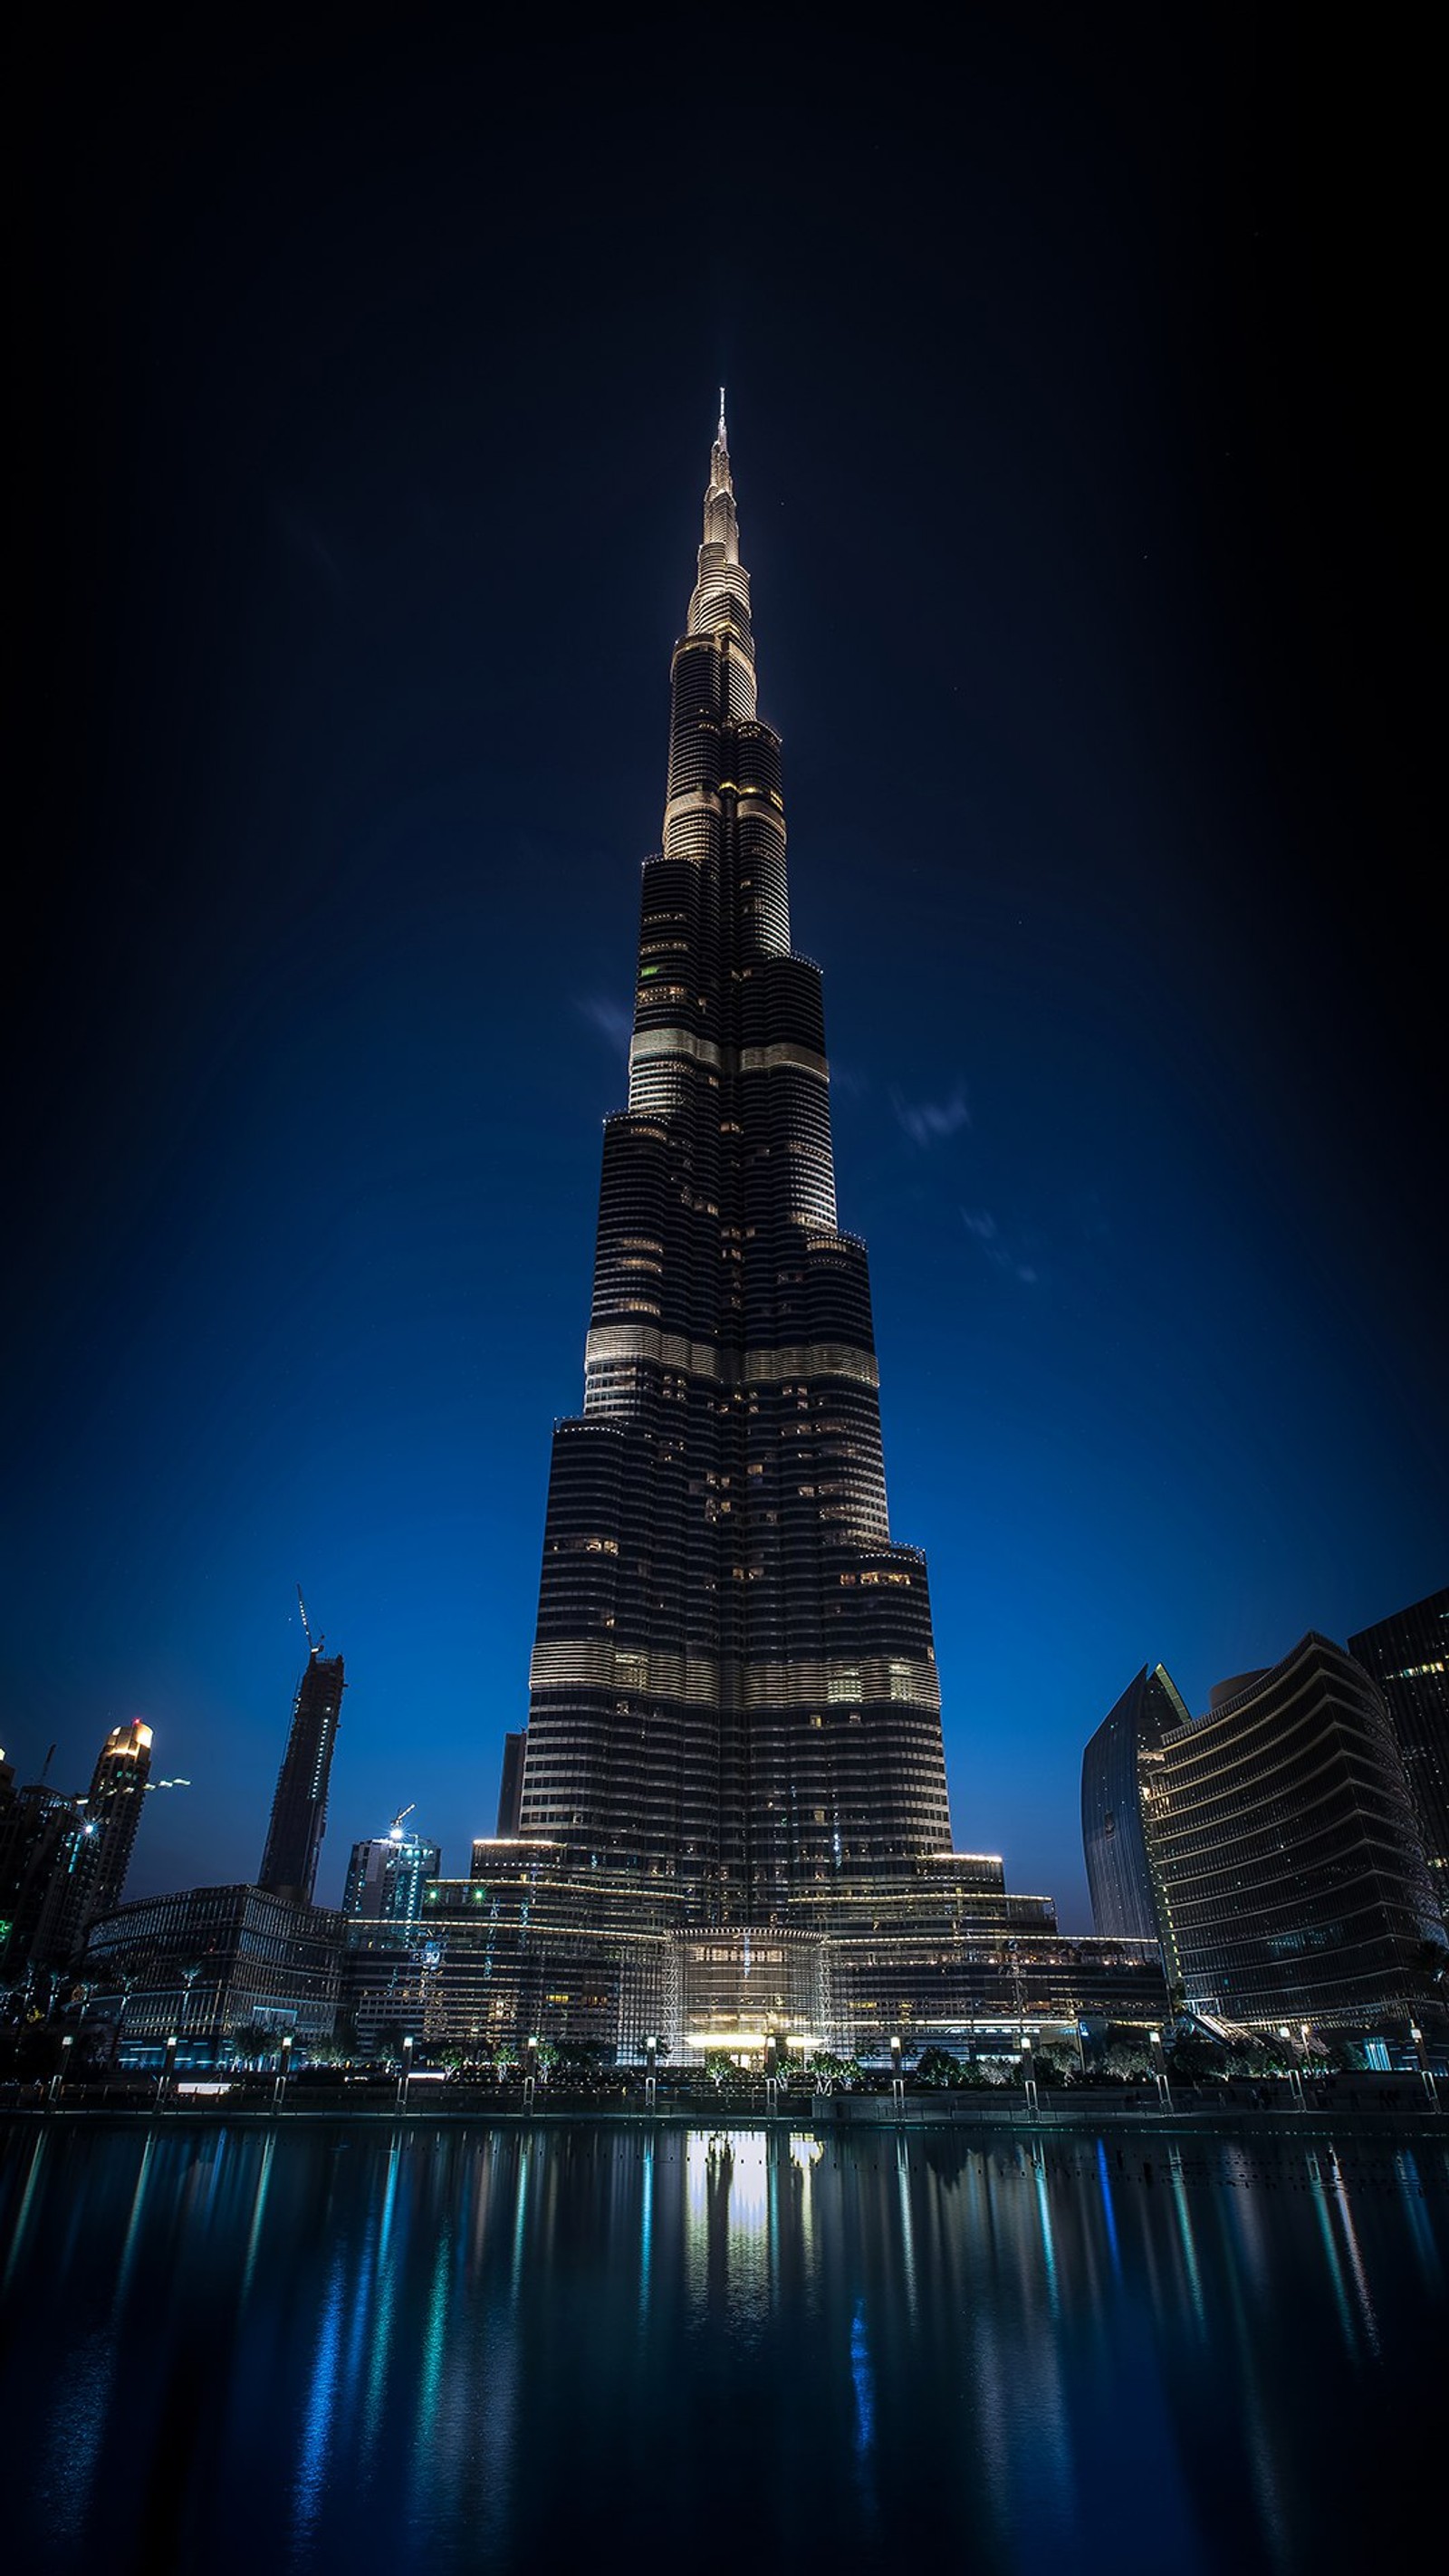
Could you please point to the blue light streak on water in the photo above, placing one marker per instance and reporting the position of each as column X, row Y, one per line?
column 430, row 2379
column 1048, row 2245
column 258, row 2209
column 908, row 2236
column 316, row 2425
column 1184, row 2229
column 22, row 2221
column 1412, row 2195
column 863, row 2378
column 1335, row 2268
column 646, row 2224
column 1355, row 2258
column 1107, row 2210
column 518, row 2229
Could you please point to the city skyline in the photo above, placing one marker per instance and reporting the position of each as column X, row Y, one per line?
column 1115, row 893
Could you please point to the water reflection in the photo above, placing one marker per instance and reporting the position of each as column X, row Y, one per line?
column 481, row 2348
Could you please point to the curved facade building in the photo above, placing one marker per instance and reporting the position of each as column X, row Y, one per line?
column 1119, row 1872
column 734, row 1681
column 1286, row 1854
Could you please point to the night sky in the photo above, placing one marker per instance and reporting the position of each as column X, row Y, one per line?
column 1079, row 409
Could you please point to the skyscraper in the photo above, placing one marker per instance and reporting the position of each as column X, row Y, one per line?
column 1119, row 1871
column 1285, row 1864
column 299, row 1808
column 1408, row 1656
column 81, row 1847
column 113, row 1813
column 734, row 1682
column 387, row 1874
column 727, row 1821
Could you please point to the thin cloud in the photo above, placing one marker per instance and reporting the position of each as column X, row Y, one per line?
column 929, row 1122
column 981, row 1225
column 844, row 1079
column 610, row 1019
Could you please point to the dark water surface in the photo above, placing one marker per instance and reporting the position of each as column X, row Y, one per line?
column 330, row 2347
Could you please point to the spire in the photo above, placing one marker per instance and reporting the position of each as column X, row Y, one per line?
column 720, row 479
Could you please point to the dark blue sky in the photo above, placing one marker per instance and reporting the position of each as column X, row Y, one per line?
column 1078, row 411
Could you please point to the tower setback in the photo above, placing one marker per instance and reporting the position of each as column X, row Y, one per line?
column 734, row 1681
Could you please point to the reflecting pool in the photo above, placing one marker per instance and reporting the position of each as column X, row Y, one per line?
column 354, row 2346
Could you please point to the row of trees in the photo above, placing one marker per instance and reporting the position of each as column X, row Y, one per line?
column 1126, row 2057
column 34, row 2024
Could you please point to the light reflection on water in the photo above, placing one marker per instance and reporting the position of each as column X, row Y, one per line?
column 471, row 2348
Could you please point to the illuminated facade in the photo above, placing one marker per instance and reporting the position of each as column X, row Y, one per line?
column 386, row 1876
column 1285, row 1852
column 530, row 1943
column 299, row 1808
column 1408, row 1656
column 208, row 1962
column 63, row 1860
column 734, row 1682
column 935, row 1953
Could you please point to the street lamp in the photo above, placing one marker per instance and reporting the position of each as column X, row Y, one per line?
column 404, row 2072
column 58, row 2078
column 189, row 1977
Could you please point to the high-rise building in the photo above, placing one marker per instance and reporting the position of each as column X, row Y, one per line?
column 1119, row 1872
column 734, row 1681
column 386, row 1876
column 1285, row 1858
column 1408, row 1656
column 732, row 1815
column 68, row 1856
column 299, row 1808
column 101, row 1841
column 36, row 1823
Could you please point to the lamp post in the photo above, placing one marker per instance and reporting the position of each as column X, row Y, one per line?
column 898, row 2077
column 58, row 2078
column 651, row 2081
column 188, row 1977
column 772, row 2074
column 284, row 2069
column 1159, row 2070
column 530, row 2076
column 1028, row 2071
column 167, row 2076
column 404, row 2071
column 1426, row 2071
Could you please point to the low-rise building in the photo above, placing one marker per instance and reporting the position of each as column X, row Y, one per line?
column 207, row 1963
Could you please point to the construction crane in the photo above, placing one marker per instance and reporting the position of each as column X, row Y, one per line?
column 314, row 1646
